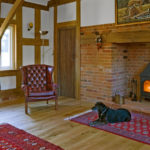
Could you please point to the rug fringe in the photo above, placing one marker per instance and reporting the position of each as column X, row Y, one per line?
column 71, row 117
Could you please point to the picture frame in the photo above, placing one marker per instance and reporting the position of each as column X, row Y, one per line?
column 132, row 12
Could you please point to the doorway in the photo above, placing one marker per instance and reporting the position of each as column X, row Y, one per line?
column 66, row 61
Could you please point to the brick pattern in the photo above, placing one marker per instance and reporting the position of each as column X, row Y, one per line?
column 105, row 71
column 96, row 70
column 119, row 66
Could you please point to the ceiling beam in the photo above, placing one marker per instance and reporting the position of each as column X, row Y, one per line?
column 28, row 4
column 10, row 15
column 36, row 6
column 53, row 3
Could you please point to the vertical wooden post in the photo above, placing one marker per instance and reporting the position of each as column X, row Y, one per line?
column 0, row 8
column 18, row 58
column 37, row 36
column 78, row 49
column 55, row 44
column 0, row 25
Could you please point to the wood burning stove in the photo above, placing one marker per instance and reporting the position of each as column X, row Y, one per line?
column 145, row 82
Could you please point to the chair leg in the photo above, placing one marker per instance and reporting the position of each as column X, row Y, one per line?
column 26, row 107
column 56, row 104
column 47, row 102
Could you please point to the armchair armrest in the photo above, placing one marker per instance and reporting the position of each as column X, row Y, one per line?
column 54, row 86
column 25, row 88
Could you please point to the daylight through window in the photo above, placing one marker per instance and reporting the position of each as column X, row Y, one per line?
column 6, row 59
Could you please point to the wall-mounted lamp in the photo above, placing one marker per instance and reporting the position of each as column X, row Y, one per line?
column 98, row 39
column 30, row 26
column 99, row 42
column 43, row 53
column 43, row 32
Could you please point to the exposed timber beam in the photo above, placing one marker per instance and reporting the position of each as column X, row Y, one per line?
column 28, row 4
column 36, row 6
column 10, row 15
column 53, row 3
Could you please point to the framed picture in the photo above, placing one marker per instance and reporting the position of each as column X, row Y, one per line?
column 132, row 11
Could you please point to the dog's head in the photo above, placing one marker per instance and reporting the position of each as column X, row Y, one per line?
column 99, row 107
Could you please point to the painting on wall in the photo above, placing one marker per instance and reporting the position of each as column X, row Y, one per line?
column 132, row 11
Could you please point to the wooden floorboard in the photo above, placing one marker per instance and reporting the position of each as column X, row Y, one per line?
column 47, row 123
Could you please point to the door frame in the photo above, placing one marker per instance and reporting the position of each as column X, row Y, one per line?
column 69, row 24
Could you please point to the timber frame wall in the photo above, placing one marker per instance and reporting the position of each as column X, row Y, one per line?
column 37, row 42
column 20, row 41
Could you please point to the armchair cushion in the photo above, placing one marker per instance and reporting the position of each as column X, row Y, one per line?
column 42, row 93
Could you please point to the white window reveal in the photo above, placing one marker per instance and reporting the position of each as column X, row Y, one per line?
column 6, row 57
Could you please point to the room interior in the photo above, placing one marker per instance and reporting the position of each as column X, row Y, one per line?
column 95, row 58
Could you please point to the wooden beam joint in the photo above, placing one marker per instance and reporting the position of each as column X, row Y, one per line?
column 11, row 14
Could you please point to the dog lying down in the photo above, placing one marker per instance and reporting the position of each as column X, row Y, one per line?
column 108, row 115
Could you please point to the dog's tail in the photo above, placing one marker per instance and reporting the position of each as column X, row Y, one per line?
column 127, row 119
column 129, row 116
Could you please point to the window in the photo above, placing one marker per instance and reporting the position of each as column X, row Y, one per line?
column 7, row 49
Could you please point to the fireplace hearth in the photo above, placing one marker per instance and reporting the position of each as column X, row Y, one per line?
column 145, row 83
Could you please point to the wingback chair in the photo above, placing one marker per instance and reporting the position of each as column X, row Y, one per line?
column 37, row 84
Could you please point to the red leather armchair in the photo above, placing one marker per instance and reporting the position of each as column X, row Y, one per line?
column 38, row 85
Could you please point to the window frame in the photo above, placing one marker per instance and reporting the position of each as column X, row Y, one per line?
column 12, row 51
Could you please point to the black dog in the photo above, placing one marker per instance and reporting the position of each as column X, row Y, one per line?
column 108, row 115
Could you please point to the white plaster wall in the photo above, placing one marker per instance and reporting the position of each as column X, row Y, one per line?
column 5, row 8
column 28, row 16
column 96, row 12
column 47, row 23
column 48, row 56
column 28, row 55
column 8, row 82
column 66, row 12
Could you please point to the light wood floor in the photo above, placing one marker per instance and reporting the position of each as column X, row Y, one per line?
column 49, row 124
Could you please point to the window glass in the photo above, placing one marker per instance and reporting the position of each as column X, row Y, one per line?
column 6, row 49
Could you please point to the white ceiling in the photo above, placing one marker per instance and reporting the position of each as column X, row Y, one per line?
column 42, row 2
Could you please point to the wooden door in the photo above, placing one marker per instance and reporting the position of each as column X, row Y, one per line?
column 66, row 61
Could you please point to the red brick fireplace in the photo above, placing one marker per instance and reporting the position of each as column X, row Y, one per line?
column 109, row 69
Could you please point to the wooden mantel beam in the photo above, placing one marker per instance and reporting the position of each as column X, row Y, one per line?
column 10, row 15
column 128, row 37
column 122, row 37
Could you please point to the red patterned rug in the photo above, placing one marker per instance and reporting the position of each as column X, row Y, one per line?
column 12, row 138
column 137, row 129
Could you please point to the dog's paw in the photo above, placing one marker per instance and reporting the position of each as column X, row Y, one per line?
column 92, row 124
column 97, row 122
